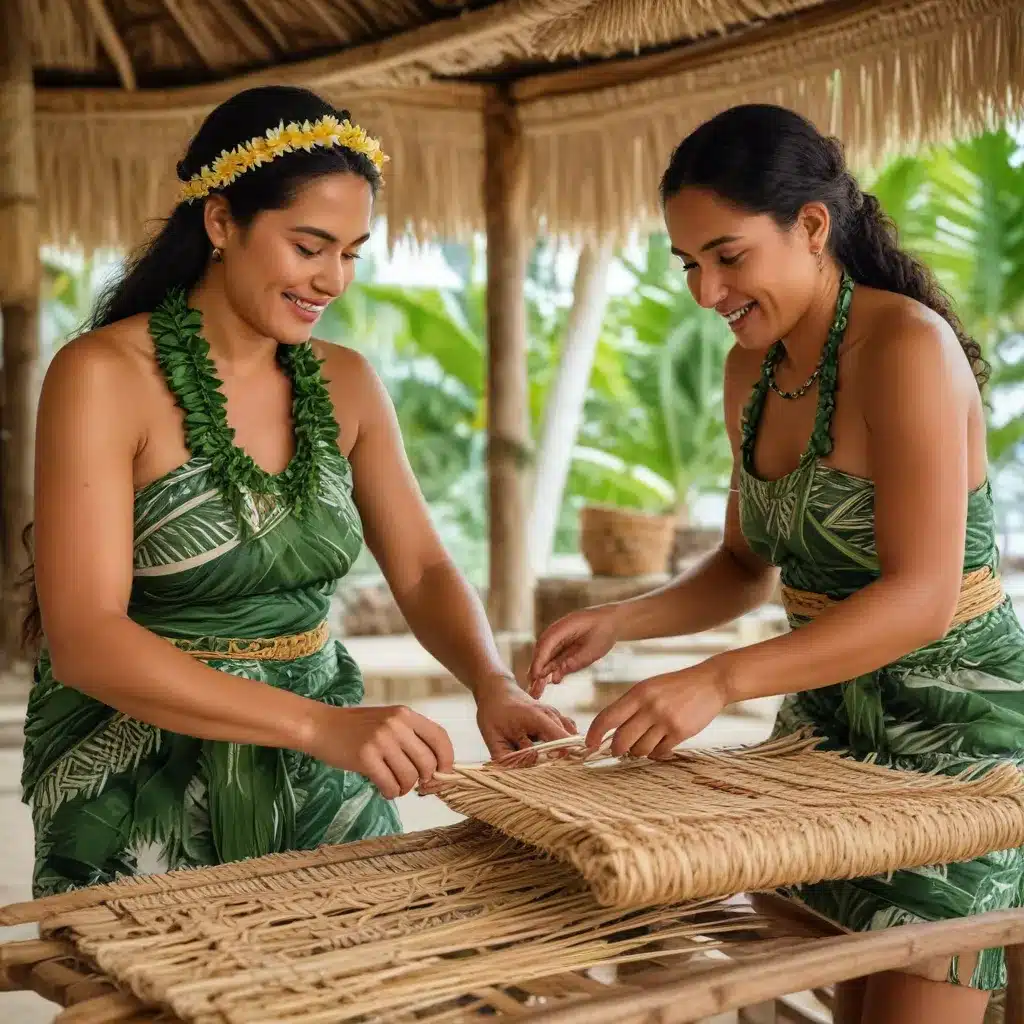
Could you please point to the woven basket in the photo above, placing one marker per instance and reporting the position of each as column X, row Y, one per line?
column 625, row 542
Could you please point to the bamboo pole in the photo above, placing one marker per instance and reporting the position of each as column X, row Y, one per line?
column 508, row 424
column 563, row 409
column 19, row 302
column 799, row 969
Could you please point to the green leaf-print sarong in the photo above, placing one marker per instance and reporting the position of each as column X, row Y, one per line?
column 955, row 705
column 222, row 551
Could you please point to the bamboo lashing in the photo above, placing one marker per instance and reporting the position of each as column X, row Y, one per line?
column 711, row 823
column 981, row 591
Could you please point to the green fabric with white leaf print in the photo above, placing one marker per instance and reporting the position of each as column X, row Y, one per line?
column 221, row 550
column 954, row 706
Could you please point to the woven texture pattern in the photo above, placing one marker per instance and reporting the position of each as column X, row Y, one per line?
column 429, row 927
column 447, row 925
column 712, row 823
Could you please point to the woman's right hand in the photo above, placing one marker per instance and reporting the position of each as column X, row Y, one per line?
column 394, row 747
column 572, row 644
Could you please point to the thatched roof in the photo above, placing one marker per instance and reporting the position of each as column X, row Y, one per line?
column 604, row 88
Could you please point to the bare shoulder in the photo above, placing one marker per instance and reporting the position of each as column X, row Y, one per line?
column 349, row 376
column 907, row 347
column 112, row 361
column 742, row 366
column 742, row 369
column 357, row 392
column 341, row 363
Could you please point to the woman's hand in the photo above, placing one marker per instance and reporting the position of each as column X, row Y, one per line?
column 572, row 644
column 394, row 747
column 655, row 716
column 509, row 719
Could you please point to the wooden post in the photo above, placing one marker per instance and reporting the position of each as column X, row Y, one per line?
column 508, row 417
column 19, row 302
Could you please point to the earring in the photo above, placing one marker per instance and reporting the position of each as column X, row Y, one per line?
column 217, row 256
column 820, row 257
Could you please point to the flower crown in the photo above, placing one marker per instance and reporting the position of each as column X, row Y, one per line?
column 325, row 132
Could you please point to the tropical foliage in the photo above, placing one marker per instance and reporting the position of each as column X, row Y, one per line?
column 961, row 209
column 660, row 441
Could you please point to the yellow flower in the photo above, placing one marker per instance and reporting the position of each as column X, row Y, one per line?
column 293, row 135
column 277, row 144
column 325, row 132
column 260, row 153
column 228, row 166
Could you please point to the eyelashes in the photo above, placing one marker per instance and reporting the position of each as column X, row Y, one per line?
column 726, row 261
column 310, row 253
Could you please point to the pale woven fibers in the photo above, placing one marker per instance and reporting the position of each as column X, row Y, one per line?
column 435, row 931
column 711, row 823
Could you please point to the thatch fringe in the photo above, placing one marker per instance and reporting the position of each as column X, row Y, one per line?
column 881, row 79
column 598, row 139
column 105, row 178
column 608, row 27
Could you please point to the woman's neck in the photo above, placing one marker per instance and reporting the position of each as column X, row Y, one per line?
column 804, row 343
column 235, row 346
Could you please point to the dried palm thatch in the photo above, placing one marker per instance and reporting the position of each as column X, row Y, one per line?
column 597, row 135
column 710, row 823
column 882, row 78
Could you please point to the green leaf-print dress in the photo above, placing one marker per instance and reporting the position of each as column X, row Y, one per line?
column 955, row 705
column 222, row 551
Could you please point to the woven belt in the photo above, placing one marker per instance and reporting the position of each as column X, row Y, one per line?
column 981, row 591
column 275, row 648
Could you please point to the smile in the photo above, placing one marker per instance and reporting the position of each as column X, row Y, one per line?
column 738, row 314
column 309, row 307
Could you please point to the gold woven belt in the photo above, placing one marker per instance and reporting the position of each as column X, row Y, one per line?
column 981, row 591
column 275, row 648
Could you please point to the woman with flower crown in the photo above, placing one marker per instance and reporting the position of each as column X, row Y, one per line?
column 206, row 474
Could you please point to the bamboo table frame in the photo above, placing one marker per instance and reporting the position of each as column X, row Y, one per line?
column 643, row 995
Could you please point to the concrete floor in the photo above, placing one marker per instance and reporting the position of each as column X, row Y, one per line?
column 456, row 714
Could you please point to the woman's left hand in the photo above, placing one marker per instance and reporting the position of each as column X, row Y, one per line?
column 655, row 716
column 510, row 719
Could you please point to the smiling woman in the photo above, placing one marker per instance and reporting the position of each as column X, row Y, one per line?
column 857, row 424
column 206, row 474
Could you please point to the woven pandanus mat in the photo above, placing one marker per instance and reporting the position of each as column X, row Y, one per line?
column 439, row 927
column 710, row 823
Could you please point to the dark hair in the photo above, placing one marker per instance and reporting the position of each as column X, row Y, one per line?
column 768, row 159
column 178, row 255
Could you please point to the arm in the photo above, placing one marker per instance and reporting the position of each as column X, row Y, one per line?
column 729, row 582
column 732, row 580
column 90, row 429
column 726, row 584
column 442, row 609
column 916, row 402
column 918, row 458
